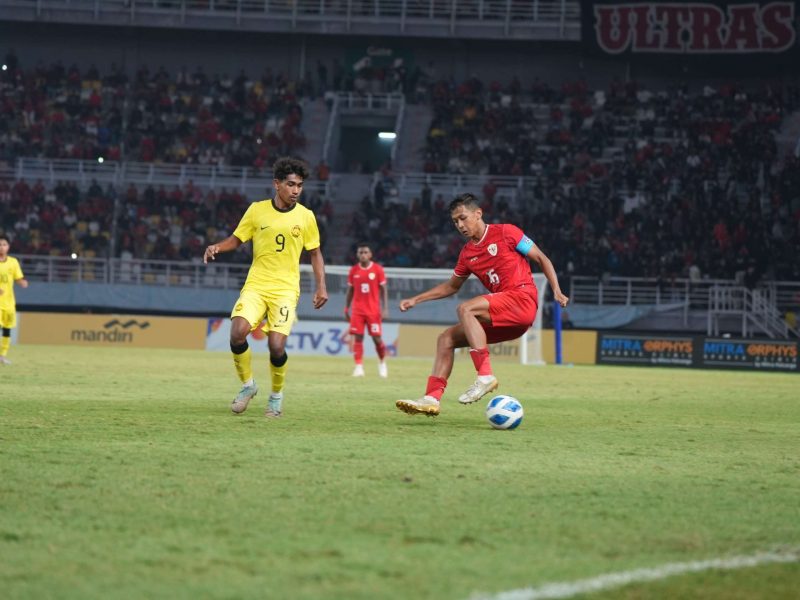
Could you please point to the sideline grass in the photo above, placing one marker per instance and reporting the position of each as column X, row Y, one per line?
column 123, row 475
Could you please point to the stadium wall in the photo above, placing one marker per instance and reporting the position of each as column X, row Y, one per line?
column 226, row 52
column 221, row 52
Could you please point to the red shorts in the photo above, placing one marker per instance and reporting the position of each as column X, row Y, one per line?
column 360, row 320
column 512, row 313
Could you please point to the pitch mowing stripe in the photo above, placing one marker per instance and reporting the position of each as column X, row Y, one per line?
column 567, row 589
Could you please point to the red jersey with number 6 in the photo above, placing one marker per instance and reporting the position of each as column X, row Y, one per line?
column 495, row 260
column 366, row 288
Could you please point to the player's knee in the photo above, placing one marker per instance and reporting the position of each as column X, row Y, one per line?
column 239, row 331
column 6, row 332
column 463, row 310
column 445, row 340
column 238, row 338
column 277, row 347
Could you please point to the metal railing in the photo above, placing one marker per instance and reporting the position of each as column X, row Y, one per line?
column 755, row 308
column 196, row 275
column 529, row 19
column 582, row 289
column 509, row 187
column 718, row 299
column 649, row 290
column 760, row 310
column 364, row 103
column 83, row 172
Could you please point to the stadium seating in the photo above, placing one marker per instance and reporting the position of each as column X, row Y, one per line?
column 624, row 180
column 187, row 117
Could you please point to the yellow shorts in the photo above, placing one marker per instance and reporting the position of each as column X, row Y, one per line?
column 279, row 310
column 8, row 318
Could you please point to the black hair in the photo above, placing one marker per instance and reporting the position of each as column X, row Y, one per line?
column 3, row 236
column 286, row 166
column 468, row 201
column 364, row 245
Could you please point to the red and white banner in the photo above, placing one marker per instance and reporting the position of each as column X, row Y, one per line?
column 617, row 27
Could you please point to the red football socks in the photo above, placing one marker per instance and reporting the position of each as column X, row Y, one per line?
column 480, row 358
column 358, row 352
column 436, row 386
column 381, row 350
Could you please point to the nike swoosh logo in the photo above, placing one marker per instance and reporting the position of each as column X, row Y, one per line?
column 265, row 227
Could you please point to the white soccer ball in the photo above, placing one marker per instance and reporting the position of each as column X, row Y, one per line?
column 504, row 412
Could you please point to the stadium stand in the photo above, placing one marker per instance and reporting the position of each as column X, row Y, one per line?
column 51, row 111
column 624, row 181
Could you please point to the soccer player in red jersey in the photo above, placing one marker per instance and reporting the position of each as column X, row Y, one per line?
column 497, row 254
column 366, row 288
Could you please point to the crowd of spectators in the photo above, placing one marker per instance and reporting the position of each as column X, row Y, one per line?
column 137, row 222
column 53, row 111
column 624, row 181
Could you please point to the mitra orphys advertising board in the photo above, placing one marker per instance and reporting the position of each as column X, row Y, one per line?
column 699, row 351
column 131, row 331
column 645, row 349
column 763, row 355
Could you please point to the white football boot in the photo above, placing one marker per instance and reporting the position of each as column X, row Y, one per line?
column 478, row 390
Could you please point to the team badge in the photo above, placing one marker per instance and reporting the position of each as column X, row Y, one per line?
column 296, row 231
column 492, row 249
column 372, row 275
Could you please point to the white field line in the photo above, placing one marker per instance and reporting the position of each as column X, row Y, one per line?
column 568, row 589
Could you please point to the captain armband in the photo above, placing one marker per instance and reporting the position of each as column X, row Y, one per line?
column 524, row 245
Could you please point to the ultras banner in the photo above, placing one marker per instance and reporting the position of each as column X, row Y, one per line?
column 615, row 27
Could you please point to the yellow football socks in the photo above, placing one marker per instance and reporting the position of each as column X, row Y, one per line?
column 278, row 373
column 243, row 367
column 5, row 342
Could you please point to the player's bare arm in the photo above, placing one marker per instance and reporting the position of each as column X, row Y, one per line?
column 443, row 290
column 348, row 300
column 540, row 258
column 226, row 245
column 318, row 266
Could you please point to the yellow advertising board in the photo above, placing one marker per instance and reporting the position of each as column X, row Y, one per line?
column 578, row 347
column 130, row 331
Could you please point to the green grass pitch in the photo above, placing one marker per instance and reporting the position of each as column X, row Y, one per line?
column 124, row 475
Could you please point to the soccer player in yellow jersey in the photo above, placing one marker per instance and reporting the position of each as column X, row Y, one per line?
column 10, row 273
column 280, row 228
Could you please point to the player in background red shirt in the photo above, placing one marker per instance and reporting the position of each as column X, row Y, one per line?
column 497, row 254
column 366, row 288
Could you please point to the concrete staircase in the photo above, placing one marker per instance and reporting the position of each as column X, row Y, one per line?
column 347, row 191
column 787, row 137
column 411, row 141
column 315, row 125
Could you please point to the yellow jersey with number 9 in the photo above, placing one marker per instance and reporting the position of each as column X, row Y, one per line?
column 10, row 271
column 279, row 237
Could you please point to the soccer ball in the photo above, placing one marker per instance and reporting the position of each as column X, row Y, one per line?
column 504, row 412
